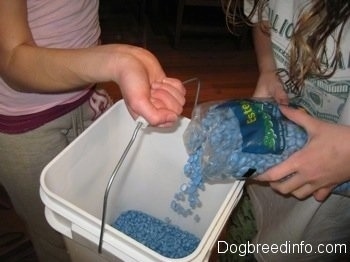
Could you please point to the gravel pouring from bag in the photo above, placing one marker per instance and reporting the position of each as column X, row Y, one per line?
column 235, row 136
column 227, row 140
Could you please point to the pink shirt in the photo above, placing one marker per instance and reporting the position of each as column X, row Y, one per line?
column 58, row 24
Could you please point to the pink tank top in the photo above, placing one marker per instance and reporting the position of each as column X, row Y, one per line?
column 58, row 24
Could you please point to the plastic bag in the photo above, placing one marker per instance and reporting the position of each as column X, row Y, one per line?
column 229, row 139
column 226, row 140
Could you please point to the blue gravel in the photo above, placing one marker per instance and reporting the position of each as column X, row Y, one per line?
column 230, row 140
column 236, row 136
column 166, row 239
column 225, row 142
column 233, row 139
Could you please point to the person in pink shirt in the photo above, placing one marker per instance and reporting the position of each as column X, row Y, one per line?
column 50, row 62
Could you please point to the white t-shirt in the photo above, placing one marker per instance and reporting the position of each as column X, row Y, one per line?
column 323, row 98
column 302, row 230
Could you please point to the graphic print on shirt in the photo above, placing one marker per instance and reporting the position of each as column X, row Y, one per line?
column 323, row 98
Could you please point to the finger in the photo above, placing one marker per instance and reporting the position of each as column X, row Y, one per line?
column 304, row 191
column 173, row 86
column 322, row 193
column 159, row 104
column 175, row 83
column 288, row 184
column 170, row 90
column 170, row 102
column 280, row 171
column 154, row 111
column 161, row 117
column 299, row 117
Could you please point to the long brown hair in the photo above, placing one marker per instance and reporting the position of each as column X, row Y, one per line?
column 311, row 32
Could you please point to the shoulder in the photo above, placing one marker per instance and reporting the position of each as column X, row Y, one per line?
column 64, row 23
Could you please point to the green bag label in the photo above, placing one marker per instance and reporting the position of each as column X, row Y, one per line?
column 260, row 124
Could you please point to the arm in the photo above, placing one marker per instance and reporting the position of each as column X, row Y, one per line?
column 268, row 84
column 29, row 68
column 263, row 48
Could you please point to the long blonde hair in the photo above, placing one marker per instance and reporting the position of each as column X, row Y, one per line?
column 311, row 32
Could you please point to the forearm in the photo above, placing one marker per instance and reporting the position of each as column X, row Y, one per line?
column 263, row 50
column 36, row 69
column 269, row 84
column 30, row 68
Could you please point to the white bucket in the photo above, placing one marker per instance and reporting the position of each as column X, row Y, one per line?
column 73, row 186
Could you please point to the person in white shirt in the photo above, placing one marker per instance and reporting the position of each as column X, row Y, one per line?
column 303, row 56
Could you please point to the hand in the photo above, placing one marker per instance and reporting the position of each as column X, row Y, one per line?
column 146, row 89
column 168, row 95
column 270, row 86
column 319, row 166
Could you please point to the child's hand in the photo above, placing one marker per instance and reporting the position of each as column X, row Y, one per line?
column 316, row 169
column 146, row 89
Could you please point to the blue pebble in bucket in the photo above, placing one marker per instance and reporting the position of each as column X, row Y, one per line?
column 164, row 238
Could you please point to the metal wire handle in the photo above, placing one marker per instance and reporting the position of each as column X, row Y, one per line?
column 140, row 122
column 198, row 88
column 114, row 173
